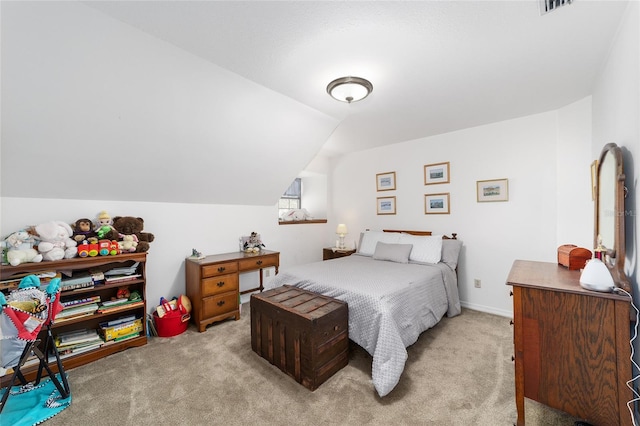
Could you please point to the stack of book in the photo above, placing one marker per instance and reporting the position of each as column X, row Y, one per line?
column 109, row 306
column 80, row 281
column 77, row 341
column 82, row 309
column 120, row 329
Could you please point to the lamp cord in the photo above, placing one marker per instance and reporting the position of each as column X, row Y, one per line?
column 631, row 402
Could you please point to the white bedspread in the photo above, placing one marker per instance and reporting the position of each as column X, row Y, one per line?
column 390, row 304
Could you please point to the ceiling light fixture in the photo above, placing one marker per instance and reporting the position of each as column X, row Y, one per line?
column 349, row 89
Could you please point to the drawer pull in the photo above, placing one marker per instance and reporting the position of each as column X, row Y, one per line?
column 513, row 358
column 511, row 322
column 220, row 283
column 221, row 269
column 510, row 293
column 221, row 302
column 259, row 262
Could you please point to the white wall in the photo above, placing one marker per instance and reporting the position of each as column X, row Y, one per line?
column 525, row 151
column 178, row 228
column 616, row 118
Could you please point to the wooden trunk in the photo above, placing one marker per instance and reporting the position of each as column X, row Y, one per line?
column 573, row 257
column 304, row 334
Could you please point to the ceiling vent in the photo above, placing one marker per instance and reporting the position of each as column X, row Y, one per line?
column 547, row 6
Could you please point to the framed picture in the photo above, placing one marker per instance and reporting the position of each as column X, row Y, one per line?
column 436, row 203
column 436, row 173
column 493, row 190
column 386, row 181
column 386, row 205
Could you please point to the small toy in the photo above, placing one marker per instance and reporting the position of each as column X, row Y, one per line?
column 128, row 243
column 123, row 293
column 253, row 244
column 114, row 248
column 82, row 230
column 104, row 247
column 19, row 248
column 55, row 240
column 104, row 227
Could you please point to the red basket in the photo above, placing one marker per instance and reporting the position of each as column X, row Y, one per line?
column 171, row 324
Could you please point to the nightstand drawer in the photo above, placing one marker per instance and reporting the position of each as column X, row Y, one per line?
column 219, row 269
column 220, row 304
column 219, row 284
column 262, row 262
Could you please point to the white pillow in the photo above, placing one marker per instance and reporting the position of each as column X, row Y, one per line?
column 371, row 238
column 398, row 253
column 426, row 249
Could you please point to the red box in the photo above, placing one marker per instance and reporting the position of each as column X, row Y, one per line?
column 170, row 324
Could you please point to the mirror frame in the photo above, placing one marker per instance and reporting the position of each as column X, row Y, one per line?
column 614, row 256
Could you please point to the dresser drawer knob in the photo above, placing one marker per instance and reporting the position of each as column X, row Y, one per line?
column 220, row 283
column 513, row 358
column 511, row 322
column 259, row 262
column 221, row 269
column 220, row 303
column 510, row 293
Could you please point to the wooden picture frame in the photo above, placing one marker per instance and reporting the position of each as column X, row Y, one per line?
column 436, row 173
column 436, row 203
column 386, row 181
column 492, row 190
column 594, row 172
column 386, row 205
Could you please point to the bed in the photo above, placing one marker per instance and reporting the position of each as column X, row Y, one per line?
column 397, row 285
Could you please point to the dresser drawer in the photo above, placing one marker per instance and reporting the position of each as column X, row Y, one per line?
column 258, row 262
column 219, row 284
column 219, row 269
column 219, row 305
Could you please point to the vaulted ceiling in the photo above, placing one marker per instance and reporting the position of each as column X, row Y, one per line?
column 191, row 101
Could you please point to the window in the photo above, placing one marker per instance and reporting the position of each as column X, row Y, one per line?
column 291, row 199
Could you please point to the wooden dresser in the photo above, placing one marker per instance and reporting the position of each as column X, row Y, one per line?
column 213, row 283
column 572, row 348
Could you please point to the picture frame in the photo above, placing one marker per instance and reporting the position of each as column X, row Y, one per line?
column 436, row 203
column 492, row 190
column 386, row 205
column 386, row 181
column 436, row 173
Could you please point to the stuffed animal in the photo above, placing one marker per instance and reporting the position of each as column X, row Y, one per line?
column 83, row 230
column 129, row 225
column 253, row 244
column 19, row 246
column 128, row 243
column 104, row 228
column 55, row 240
column 295, row 215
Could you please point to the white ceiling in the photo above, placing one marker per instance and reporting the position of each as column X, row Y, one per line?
column 436, row 66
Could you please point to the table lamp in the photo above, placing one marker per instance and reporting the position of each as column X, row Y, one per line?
column 341, row 230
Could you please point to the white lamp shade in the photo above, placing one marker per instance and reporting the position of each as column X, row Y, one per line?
column 341, row 229
column 596, row 276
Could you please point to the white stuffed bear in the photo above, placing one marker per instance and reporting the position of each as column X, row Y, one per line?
column 55, row 240
column 20, row 249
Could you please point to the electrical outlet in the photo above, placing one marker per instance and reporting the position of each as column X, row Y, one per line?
column 267, row 272
column 477, row 283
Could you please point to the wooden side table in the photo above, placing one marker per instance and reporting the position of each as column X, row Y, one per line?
column 334, row 253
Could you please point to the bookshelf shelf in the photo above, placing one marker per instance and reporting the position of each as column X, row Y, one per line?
column 105, row 291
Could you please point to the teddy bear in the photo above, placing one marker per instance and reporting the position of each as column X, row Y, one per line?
column 253, row 244
column 19, row 246
column 128, row 243
column 129, row 225
column 55, row 240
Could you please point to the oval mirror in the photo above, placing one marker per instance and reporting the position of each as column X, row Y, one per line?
column 609, row 236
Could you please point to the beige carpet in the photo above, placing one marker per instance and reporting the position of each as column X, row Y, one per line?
column 458, row 373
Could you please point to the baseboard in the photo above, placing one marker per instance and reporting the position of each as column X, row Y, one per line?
column 487, row 309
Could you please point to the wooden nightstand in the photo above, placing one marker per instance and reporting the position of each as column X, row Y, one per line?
column 329, row 253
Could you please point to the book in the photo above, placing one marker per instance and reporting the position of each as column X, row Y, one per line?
column 117, row 321
column 127, row 270
column 77, row 310
column 76, row 337
column 80, row 302
column 130, row 304
column 111, row 333
column 120, row 278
